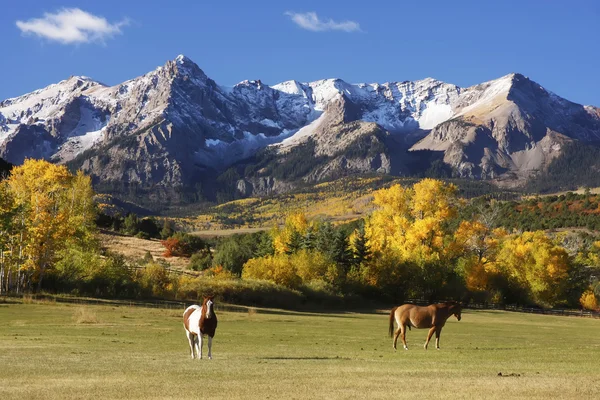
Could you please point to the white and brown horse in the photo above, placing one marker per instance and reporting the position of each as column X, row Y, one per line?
column 199, row 321
column 433, row 317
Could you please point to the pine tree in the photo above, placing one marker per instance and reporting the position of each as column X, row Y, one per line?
column 295, row 242
column 340, row 252
column 324, row 238
column 130, row 225
column 264, row 246
column 167, row 230
column 308, row 241
column 361, row 252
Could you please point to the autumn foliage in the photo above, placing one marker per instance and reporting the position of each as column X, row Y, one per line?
column 419, row 241
column 44, row 209
column 589, row 301
column 182, row 245
column 416, row 244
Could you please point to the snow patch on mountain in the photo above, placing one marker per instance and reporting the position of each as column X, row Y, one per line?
column 180, row 119
column 434, row 115
column 302, row 134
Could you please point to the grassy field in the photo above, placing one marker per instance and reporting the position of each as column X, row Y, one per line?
column 58, row 351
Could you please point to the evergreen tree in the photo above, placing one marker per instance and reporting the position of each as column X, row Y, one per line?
column 130, row 225
column 339, row 251
column 308, row 241
column 324, row 238
column 295, row 242
column 264, row 246
column 167, row 230
column 361, row 251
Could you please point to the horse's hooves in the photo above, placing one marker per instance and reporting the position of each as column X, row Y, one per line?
column 210, row 358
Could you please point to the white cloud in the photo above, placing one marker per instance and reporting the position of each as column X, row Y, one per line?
column 71, row 26
column 310, row 21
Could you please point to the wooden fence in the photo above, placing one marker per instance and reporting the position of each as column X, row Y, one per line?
column 181, row 305
column 517, row 308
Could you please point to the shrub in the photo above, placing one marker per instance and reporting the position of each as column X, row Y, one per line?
column 183, row 245
column 588, row 300
column 200, row 261
column 173, row 247
column 292, row 270
column 218, row 272
column 239, row 291
column 232, row 252
column 277, row 269
column 142, row 235
column 154, row 280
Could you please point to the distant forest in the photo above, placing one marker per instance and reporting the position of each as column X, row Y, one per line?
column 577, row 166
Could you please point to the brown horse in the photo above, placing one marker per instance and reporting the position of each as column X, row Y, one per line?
column 199, row 321
column 433, row 317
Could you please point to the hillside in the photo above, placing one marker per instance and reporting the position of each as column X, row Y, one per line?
column 342, row 200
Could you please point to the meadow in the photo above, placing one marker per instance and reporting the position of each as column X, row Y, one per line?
column 61, row 351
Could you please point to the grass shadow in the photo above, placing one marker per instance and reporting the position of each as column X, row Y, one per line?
column 332, row 314
column 306, row 358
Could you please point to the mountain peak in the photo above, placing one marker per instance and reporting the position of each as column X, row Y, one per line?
column 186, row 67
column 182, row 59
column 513, row 77
column 258, row 84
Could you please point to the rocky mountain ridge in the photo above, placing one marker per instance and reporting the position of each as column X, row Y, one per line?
column 175, row 128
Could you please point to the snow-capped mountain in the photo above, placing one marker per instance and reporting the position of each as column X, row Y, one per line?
column 175, row 127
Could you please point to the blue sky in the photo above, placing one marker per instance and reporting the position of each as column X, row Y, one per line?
column 556, row 43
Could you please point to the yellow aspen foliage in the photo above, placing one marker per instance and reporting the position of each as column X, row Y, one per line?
column 588, row 300
column 593, row 255
column 292, row 270
column 477, row 245
column 155, row 280
column 434, row 198
column 475, row 273
column 382, row 270
column 536, row 262
column 57, row 209
column 313, row 266
column 6, row 200
column 219, row 273
column 412, row 221
column 280, row 240
column 294, row 222
column 276, row 268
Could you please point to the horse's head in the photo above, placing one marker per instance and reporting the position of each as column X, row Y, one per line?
column 209, row 304
column 456, row 309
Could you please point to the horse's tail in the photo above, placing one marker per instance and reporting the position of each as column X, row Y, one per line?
column 392, row 321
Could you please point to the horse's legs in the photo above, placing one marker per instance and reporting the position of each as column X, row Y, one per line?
column 396, row 334
column 429, row 335
column 200, row 338
column 437, row 338
column 209, row 347
column 403, row 335
column 191, row 341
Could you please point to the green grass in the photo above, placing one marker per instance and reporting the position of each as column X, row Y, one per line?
column 58, row 351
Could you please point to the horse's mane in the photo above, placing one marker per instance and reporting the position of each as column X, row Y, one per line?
column 450, row 304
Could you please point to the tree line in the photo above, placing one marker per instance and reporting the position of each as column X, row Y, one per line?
column 418, row 243
column 421, row 241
